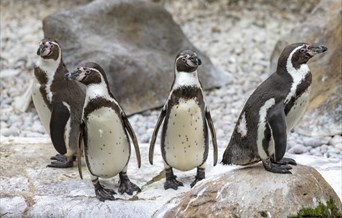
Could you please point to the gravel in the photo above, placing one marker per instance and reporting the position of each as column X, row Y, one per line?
column 238, row 36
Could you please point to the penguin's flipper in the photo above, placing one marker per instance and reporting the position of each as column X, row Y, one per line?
column 155, row 133
column 132, row 135
column 79, row 149
column 59, row 118
column 276, row 120
column 213, row 134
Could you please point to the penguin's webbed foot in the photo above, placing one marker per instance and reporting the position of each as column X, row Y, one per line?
column 104, row 194
column 286, row 161
column 126, row 186
column 199, row 176
column 61, row 157
column 275, row 167
column 61, row 161
column 171, row 181
column 194, row 182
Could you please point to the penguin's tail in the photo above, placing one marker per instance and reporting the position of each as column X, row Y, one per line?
column 227, row 156
column 235, row 154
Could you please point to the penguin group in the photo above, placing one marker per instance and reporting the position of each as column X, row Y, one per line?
column 92, row 123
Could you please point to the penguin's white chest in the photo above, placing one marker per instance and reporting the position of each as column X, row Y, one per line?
column 42, row 109
column 107, row 151
column 184, row 137
column 297, row 110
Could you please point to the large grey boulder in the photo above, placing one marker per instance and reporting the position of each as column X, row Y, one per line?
column 30, row 189
column 254, row 192
column 324, row 26
column 135, row 42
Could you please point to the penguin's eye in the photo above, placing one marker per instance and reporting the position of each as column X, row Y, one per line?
column 184, row 59
column 302, row 50
column 87, row 71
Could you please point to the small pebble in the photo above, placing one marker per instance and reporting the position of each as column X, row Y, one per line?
column 298, row 149
column 8, row 73
column 314, row 141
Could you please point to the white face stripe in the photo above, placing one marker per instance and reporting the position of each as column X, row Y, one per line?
column 54, row 43
column 289, row 65
column 262, row 126
column 91, row 68
column 297, row 74
column 178, row 58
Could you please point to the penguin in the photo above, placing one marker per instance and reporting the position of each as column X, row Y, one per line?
column 104, row 132
column 58, row 102
column 273, row 109
column 184, row 136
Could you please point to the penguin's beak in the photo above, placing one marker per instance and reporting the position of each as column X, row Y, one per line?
column 313, row 50
column 40, row 50
column 195, row 61
column 73, row 75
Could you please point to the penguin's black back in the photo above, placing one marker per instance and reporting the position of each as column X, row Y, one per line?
column 243, row 150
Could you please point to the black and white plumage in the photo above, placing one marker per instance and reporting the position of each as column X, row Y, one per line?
column 105, row 127
column 58, row 102
column 272, row 110
column 184, row 137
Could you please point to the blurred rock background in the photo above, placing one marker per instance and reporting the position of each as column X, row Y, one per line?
column 238, row 36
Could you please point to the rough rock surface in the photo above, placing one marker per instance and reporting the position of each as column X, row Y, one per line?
column 324, row 26
column 135, row 42
column 253, row 192
column 29, row 189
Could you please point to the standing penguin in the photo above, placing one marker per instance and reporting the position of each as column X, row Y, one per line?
column 184, row 139
column 58, row 102
column 272, row 111
column 105, row 126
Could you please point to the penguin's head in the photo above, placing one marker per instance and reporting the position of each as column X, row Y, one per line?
column 88, row 73
column 299, row 53
column 187, row 61
column 49, row 49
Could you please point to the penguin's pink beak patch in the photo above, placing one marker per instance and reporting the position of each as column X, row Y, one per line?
column 78, row 74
